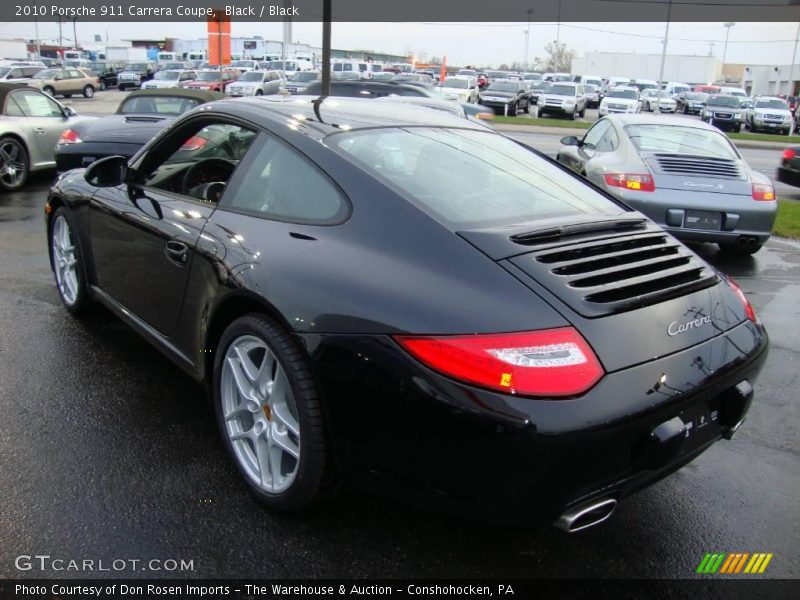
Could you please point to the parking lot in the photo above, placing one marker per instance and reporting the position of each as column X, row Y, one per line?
column 110, row 451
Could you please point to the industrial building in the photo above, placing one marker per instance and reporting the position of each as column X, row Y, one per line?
column 690, row 69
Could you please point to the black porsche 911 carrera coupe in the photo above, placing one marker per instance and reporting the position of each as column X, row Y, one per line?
column 409, row 302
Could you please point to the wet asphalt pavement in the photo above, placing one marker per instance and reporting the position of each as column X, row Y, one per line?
column 108, row 451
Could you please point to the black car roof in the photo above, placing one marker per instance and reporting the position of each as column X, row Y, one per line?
column 320, row 116
column 202, row 95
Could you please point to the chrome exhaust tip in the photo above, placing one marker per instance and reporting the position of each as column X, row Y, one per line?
column 586, row 515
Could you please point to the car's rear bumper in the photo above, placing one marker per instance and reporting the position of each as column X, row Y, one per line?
column 741, row 216
column 402, row 430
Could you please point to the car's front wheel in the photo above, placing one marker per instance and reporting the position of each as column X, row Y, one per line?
column 14, row 165
column 67, row 264
column 88, row 91
column 102, row 85
column 269, row 413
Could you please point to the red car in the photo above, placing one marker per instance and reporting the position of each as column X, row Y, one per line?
column 210, row 80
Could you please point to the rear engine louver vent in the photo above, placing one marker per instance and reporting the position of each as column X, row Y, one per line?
column 603, row 276
column 674, row 164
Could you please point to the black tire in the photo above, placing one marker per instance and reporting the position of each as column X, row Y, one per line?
column 259, row 93
column 49, row 90
column 573, row 114
column 314, row 471
column 512, row 110
column 582, row 114
column 88, row 91
column 528, row 108
column 67, row 95
column 735, row 250
column 685, row 109
column 83, row 301
column 102, row 85
column 15, row 151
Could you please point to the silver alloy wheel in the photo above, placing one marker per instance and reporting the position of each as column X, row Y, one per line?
column 260, row 414
column 64, row 260
column 12, row 167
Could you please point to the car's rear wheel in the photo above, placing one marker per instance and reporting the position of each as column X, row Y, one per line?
column 259, row 93
column 88, row 91
column 49, row 90
column 269, row 413
column 67, row 264
column 14, row 165
column 102, row 85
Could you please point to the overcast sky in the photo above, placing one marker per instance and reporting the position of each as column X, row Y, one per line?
column 486, row 44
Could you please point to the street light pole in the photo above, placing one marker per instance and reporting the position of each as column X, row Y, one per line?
column 75, row 33
column 527, row 39
column 558, row 26
column 794, row 60
column 38, row 46
column 663, row 58
column 728, row 26
column 326, row 48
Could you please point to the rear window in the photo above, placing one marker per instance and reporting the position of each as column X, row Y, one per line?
column 727, row 101
column 157, row 105
column 469, row 178
column 680, row 140
column 562, row 90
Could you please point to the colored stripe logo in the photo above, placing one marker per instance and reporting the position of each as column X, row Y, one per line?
column 734, row 563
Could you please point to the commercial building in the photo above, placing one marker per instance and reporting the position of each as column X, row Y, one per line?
column 771, row 80
column 684, row 68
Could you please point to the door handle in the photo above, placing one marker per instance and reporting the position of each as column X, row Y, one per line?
column 39, row 129
column 177, row 252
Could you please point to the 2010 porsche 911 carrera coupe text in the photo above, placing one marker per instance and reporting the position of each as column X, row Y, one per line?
column 412, row 303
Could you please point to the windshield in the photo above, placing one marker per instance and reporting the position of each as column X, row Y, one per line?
column 4, row 71
column 471, row 178
column 252, row 76
column 774, row 103
column 590, row 89
column 727, row 101
column 461, row 84
column 46, row 74
column 503, row 86
column 209, row 76
column 495, row 74
column 167, row 75
column 96, row 66
column 467, row 72
column 541, row 87
column 595, row 82
column 698, row 97
column 562, row 90
column 303, row 76
column 627, row 94
column 532, row 76
column 680, row 140
column 248, row 64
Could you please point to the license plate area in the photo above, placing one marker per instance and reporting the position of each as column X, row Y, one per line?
column 702, row 219
column 702, row 422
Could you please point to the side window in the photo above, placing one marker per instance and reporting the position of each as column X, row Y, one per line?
column 348, row 67
column 15, row 74
column 35, row 104
column 594, row 135
column 75, row 74
column 282, row 184
column 200, row 161
column 337, row 67
column 609, row 141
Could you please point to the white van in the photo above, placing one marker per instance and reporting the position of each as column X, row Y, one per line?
column 167, row 57
column 674, row 88
column 364, row 68
column 732, row 91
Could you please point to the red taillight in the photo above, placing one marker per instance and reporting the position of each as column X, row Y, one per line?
column 548, row 363
column 763, row 191
column 69, row 136
column 631, row 181
column 194, row 143
column 789, row 154
column 748, row 308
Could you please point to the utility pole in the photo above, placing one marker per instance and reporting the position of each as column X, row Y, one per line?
column 38, row 47
column 558, row 28
column 75, row 33
column 663, row 59
column 60, row 37
column 711, row 48
column 527, row 39
column 326, row 47
column 794, row 60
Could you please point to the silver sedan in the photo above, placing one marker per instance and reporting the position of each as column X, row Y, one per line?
column 683, row 174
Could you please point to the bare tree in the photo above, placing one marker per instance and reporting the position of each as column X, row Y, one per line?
column 558, row 58
column 435, row 60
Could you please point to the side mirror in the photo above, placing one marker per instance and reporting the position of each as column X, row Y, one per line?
column 70, row 112
column 107, row 172
column 570, row 140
